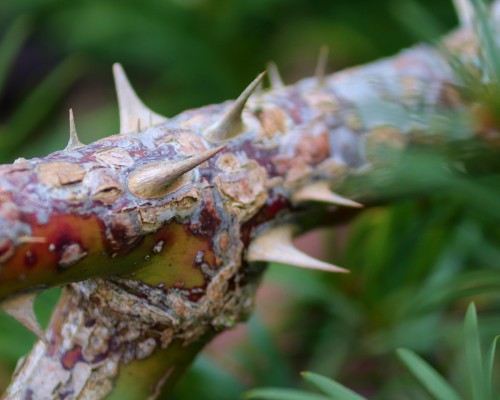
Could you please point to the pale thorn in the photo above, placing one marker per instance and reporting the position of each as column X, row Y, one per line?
column 276, row 245
column 231, row 123
column 31, row 239
column 73, row 143
column 465, row 12
column 259, row 88
column 132, row 109
column 21, row 309
column 154, row 180
column 320, row 72
column 320, row 191
column 274, row 76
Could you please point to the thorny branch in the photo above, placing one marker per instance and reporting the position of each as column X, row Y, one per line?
column 161, row 232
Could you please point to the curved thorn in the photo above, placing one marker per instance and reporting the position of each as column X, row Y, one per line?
column 320, row 191
column 158, row 179
column 21, row 309
column 465, row 12
column 320, row 72
column 276, row 245
column 231, row 124
column 133, row 112
column 73, row 143
column 274, row 75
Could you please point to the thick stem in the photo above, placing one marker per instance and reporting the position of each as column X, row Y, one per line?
column 181, row 257
column 105, row 342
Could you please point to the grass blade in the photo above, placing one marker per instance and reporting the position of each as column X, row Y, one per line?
column 490, row 360
column 10, row 45
column 38, row 105
column 486, row 36
column 281, row 394
column 427, row 376
column 473, row 355
column 331, row 388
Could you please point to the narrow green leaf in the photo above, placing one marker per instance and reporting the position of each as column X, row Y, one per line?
column 490, row 360
column 428, row 377
column 487, row 38
column 281, row 394
column 10, row 45
column 331, row 388
column 39, row 104
column 423, row 25
column 473, row 355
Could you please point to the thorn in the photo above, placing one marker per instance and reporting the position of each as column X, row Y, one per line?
column 274, row 76
column 231, row 124
column 158, row 179
column 465, row 11
column 21, row 309
column 276, row 245
column 320, row 191
column 320, row 72
column 31, row 239
column 73, row 143
column 132, row 109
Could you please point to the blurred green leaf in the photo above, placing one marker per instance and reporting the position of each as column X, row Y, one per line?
column 281, row 394
column 10, row 45
column 427, row 376
column 204, row 374
column 473, row 355
column 38, row 105
column 331, row 388
column 490, row 362
column 489, row 47
column 420, row 22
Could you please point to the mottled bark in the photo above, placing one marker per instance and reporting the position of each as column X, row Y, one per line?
column 159, row 276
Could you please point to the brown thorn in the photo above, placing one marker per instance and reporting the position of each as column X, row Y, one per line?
column 73, row 143
column 158, row 179
column 276, row 245
column 231, row 123
column 132, row 109
column 274, row 75
column 320, row 72
column 21, row 309
column 31, row 239
column 320, row 191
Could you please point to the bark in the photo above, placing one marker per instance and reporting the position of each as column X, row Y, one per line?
column 151, row 280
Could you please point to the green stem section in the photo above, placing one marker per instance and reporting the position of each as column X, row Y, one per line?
column 158, row 373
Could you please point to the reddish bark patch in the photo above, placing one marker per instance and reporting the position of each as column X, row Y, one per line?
column 30, row 259
column 267, row 213
column 71, row 357
column 33, row 262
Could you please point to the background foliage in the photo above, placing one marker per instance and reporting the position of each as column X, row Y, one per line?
column 415, row 264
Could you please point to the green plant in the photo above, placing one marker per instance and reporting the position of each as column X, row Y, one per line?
column 131, row 173
column 479, row 374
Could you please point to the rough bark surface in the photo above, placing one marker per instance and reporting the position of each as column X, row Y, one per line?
column 159, row 276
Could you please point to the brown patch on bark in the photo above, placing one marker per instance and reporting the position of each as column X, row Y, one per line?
column 244, row 189
column 104, row 185
column 272, row 121
column 58, row 174
column 115, row 157
column 189, row 143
